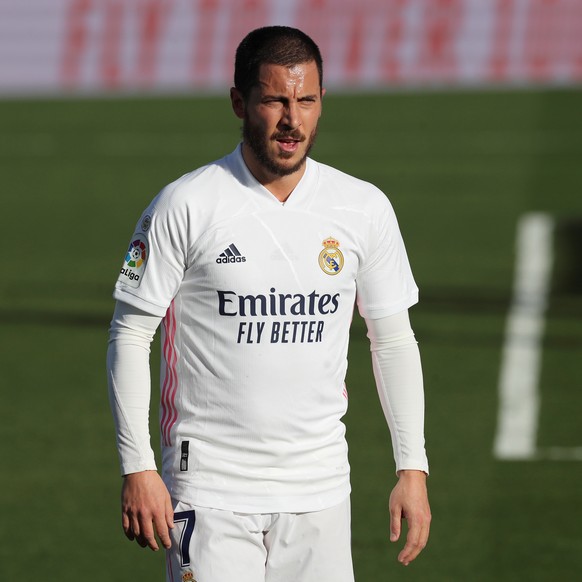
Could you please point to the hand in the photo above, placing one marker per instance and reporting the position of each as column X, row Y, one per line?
column 146, row 509
column 409, row 500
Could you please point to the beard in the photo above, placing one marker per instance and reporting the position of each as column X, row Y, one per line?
column 257, row 142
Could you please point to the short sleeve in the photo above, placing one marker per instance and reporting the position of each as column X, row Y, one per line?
column 156, row 258
column 385, row 284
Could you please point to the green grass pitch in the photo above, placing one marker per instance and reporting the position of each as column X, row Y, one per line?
column 459, row 168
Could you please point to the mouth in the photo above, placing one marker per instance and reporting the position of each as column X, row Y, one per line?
column 289, row 146
column 287, row 143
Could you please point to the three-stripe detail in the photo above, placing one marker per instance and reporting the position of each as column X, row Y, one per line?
column 231, row 251
column 170, row 386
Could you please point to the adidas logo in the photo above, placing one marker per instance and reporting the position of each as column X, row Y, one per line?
column 231, row 255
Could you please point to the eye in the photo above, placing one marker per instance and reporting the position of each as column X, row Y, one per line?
column 273, row 101
column 307, row 101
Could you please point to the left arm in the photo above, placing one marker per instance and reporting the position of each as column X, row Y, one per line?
column 398, row 374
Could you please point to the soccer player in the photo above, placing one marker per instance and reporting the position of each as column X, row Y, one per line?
column 252, row 266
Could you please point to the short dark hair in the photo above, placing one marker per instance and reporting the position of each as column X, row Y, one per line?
column 273, row 45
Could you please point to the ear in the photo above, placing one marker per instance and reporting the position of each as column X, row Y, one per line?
column 237, row 102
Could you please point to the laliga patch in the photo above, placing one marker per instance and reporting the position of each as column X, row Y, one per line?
column 331, row 259
column 135, row 261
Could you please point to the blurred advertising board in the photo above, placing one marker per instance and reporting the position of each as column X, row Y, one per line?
column 96, row 46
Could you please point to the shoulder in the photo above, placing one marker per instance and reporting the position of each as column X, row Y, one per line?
column 196, row 187
column 348, row 189
column 191, row 205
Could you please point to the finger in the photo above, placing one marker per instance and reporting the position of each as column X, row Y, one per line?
column 137, row 531
column 169, row 513
column 412, row 548
column 141, row 530
column 148, row 539
column 163, row 531
column 395, row 523
column 164, row 527
column 415, row 542
column 126, row 527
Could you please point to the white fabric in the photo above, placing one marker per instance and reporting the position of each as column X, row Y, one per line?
column 255, row 328
column 218, row 545
column 128, row 373
column 398, row 374
column 396, row 364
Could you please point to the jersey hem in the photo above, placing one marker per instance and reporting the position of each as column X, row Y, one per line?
column 135, row 301
column 282, row 504
column 378, row 313
column 137, row 466
column 413, row 465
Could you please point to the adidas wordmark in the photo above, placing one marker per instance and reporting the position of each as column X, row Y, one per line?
column 231, row 255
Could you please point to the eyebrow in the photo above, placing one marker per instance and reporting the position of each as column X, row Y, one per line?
column 286, row 98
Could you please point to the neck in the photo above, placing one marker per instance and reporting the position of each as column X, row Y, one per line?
column 279, row 186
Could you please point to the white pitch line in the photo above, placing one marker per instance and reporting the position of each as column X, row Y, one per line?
column 560, row 453
column 519, row 399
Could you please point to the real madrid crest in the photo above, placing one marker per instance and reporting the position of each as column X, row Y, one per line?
column 331, row 259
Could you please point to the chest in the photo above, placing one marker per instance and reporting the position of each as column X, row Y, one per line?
column 279, row 252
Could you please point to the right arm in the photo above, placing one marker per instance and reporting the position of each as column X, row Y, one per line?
column 145, row 502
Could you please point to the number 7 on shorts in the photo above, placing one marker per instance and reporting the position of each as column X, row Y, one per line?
column 188, row 518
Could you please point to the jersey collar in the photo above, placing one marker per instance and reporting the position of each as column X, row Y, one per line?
column 300, row 196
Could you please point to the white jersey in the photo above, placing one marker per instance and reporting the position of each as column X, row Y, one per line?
column 257, row 299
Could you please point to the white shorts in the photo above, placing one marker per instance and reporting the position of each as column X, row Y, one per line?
column 213, row 545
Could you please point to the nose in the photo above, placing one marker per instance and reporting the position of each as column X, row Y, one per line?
column 291, row 118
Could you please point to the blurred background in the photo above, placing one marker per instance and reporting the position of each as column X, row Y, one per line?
column 467, row 113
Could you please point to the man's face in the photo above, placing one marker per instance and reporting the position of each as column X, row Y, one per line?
column 280, row 118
